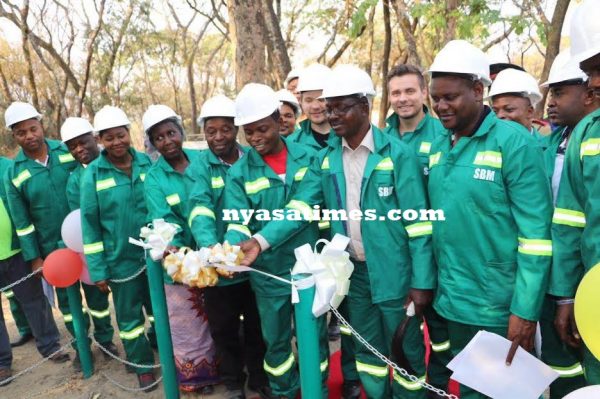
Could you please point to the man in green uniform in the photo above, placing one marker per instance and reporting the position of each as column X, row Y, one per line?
column 363, row 169
column 412, row 123
column 576, row 221
column 231, row 298
column 78, row 136
column 36, row 192
column 493, row 249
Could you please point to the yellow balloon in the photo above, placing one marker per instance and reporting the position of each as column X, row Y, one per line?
column 587, row 310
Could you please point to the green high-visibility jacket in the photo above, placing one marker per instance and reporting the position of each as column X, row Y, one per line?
column 303, row 135
column 37, row 199
column 206, row 203
column 113, row 209
column 420, row 140
column 398, row 253
column 576, row 220
column 552, row 143
column 167, row 192
column 493, row 249
column 251, row 185
column 74, row 187
column 13, row 246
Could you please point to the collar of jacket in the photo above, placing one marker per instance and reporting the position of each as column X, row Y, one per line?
column 381, row 140
column 214, row 160
column 484, row 128
column 294, row 151
column 305, row 129
column 393, row 120
column 136, row 158
column 162, row 163
column 53, row 145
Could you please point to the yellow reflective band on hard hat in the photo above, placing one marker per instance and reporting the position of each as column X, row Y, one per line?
column 200, row 211
column 535, row 247
column 300, row 174
column 240, row 228
column 345, row 330
column 217, row 182
column 444, row 346
column 132, row 334
column 100, row 314
column 419, row 229
column 27, row 230
column 589, row 148
column 323, row 366
column 173, row 199
column 325, row 164
column 282, row 368
column 21, row 177
column 488, row 158
column 253, row 187
column 568, row 217
column 324, row 225
column 425, row 147
column 408, row 384
column 105, row 184
column 571, row 371
column 64, row 158
column 301, row 206
column 385, row 164
column 377, row 371
column 94, row 248
column 434, row 159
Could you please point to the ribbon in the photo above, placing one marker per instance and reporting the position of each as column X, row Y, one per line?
column 156, row 237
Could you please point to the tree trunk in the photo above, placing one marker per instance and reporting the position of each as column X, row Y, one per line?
column 387, row 45
column 27, row 54
column 275, row 44
column 91, row 45
column 5, row 87
column 246, row 21
column 407, row 32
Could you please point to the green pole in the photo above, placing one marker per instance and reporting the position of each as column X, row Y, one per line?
column 163, row 330
column 307, row 335
column 82, row 340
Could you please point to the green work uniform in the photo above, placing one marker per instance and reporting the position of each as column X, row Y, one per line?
column 38, row 205
column 97, row 301
column 493, row 249
column 304, row 135
column 576, row 220
column 392, row 180
column 112, row 210
column 428, row 129
column 252, row 185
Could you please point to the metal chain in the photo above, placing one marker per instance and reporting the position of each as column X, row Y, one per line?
column 124, row 280
column 19, row 281
column 117, row 358
column 123, row 387
column 387, row 361
column 44, row 360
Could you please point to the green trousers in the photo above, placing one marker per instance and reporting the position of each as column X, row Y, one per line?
column 280, row 364
column 556, row 354
column 591, row 367
column 131, row 298
column 377, row 323
column 17, row 314
column 347, row 347
column 438, row 374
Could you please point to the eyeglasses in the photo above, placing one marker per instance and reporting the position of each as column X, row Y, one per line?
column 339, row 111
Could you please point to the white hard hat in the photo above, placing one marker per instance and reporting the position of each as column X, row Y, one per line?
column 19, row 112
column 74, row 127
column 293, row 74
column 460, row 56
column 109, row 117
column 585, row 31
column 254, row 102
column 347, row 80
column 217, row 106
column 515, row 81
column 286, row 96
column 157, row 113
column 564, row 68
column 313, row 77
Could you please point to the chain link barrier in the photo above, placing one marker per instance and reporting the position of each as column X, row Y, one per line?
column 391, row 364
column 132, row 277
column 19, row 281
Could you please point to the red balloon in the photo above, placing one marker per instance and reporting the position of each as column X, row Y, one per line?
column 62, row 268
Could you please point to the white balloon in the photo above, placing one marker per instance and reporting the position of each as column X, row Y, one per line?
column 71, row 231
column 590, row 392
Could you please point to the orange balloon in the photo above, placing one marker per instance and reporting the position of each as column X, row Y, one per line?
column 62, row 267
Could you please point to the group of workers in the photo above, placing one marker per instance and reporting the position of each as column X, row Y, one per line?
column 519, row 231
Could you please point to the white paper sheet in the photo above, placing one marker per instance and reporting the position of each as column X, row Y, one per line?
column 481, row 365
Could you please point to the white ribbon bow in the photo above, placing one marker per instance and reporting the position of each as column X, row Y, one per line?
column 156, row 237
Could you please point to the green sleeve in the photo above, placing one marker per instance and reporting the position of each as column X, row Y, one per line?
column 73, row 191
column 159, row 208
column 21, row 219
column 200, row 208
column 236, row 199
column 410, row 191
column 530, row 202
column 93, row 244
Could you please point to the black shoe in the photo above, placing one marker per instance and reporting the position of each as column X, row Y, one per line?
column 146, row 380
column 112, row 348
column 23, row 339
column 263, row 392
column 5, row 374
column 351, row 390
column 60, row 357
